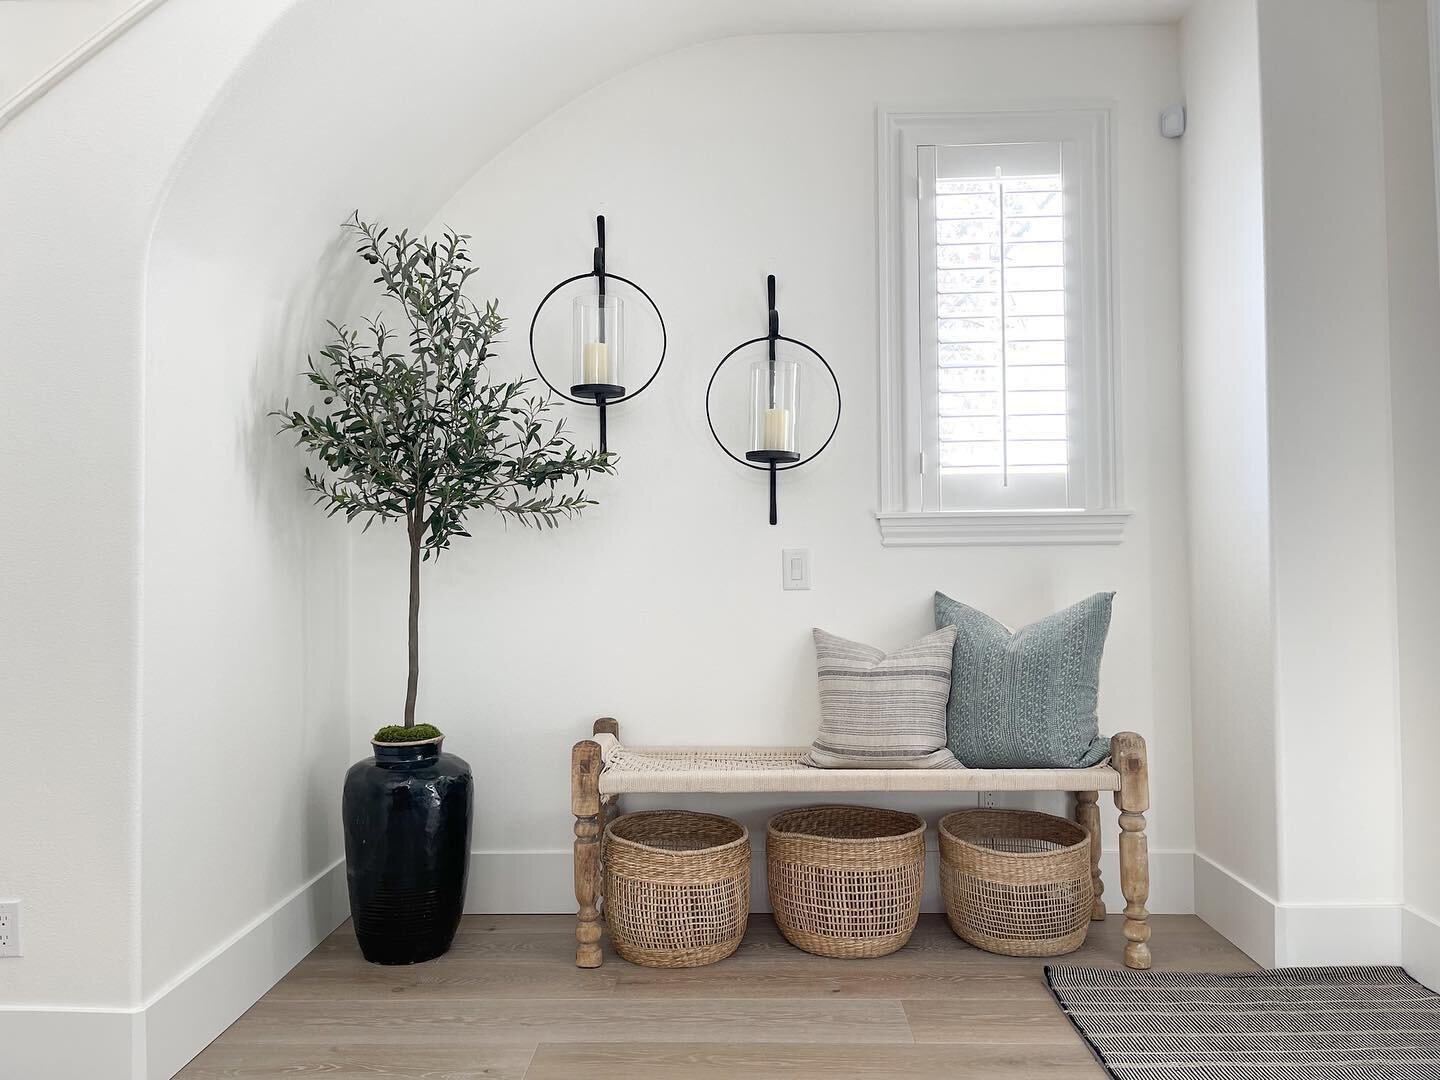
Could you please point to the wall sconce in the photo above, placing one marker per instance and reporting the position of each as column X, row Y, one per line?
column 774, row 404
column 598, row 339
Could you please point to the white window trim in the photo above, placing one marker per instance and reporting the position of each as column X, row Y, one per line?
column 902, row 518
column 1434, row 21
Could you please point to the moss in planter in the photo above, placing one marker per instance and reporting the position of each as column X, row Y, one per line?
column 418, row 733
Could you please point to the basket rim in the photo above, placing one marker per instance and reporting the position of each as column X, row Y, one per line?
column 944, row 827
column 771, row 830
column 610, row 835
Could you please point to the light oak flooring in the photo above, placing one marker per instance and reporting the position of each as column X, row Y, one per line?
column 507, row 1002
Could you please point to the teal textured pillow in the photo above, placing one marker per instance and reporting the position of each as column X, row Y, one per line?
column 1026, row 699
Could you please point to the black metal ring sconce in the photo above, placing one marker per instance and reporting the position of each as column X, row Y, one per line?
column 598, row 358
column 774, row 405
column 598, row 343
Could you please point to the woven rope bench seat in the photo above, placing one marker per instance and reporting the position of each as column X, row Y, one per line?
column 634, row 770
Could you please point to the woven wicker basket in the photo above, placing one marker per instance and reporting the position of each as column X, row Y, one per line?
column 677, row 887
column 845, row 880
column 1016, row 882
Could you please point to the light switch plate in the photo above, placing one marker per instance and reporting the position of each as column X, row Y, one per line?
column 795, row 568
column 10, row 928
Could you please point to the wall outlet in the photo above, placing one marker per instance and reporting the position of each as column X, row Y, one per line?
column 10, row 928
column 987, row 800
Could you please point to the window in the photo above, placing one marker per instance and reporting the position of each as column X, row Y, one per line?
column 997, row 411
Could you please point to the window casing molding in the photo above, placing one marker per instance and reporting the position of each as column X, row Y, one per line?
column 906, row 516
column 1434, row 20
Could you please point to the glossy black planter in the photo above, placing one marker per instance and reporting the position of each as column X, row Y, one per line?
column 407, row 849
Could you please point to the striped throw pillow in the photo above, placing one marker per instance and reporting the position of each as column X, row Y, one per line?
column 883, row 711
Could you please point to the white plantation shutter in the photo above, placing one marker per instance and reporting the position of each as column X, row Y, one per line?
column 997, row 373
column 994, row 327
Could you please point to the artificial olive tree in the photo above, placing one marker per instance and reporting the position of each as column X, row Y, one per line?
column 415, row 429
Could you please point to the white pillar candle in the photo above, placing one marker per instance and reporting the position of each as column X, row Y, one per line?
column 777, row 430
column 595, row 364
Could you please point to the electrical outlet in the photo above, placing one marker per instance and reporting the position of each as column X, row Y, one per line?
column 10, row 928
column 987, row 800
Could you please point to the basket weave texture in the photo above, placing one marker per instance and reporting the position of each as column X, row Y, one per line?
column 1016, row 882
column 845, row 881
column 677, row 887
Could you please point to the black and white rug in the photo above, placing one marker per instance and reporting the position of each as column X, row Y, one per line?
column 1353, row 1023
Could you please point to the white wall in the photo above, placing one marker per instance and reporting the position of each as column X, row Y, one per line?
column 36, row 34
column 244, row 704
column 1304, row 363
column 1227, row 465
column 1415, row 401
column 80, row 179
column 1331, row 511
column 715, row 166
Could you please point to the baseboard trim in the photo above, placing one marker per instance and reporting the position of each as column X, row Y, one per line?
column 543, row 882
column 72, row 1044
column 186, row 1016
column 1420, row 946
column 155, row 1040
column 1276, row 934
column 1322, row 935
column 1236, row 909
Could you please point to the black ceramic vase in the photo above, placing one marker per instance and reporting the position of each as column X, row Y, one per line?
column 407, row 849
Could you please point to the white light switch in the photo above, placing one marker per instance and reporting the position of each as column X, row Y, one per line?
column 10, row 928
column 795, row 568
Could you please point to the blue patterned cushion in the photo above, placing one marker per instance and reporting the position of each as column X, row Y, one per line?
column 1026, row 699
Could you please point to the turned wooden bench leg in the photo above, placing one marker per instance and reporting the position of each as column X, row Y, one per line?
column 591, row 814
column 609, row 804
column 585, row 805
column 1127, row 754
column 1087, row 814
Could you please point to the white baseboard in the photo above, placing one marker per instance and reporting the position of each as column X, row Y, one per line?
column 71, row 1044
column 1172, row 882
column 1294, row 935
column 1236, row 909
column 1322, row 935
column 1420, row 947
column 155, row 1040
column 543, row 882
column 186, row 1016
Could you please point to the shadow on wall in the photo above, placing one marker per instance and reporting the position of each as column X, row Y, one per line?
column 333, row 290
column 335, row 283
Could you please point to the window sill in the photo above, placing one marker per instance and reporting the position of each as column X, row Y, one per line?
column 965, row 528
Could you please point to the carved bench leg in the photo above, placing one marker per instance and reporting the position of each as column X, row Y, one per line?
column 609, row 804
column 1127, row 752
column 1087, row 814
column 585, row 805
column 609, row 811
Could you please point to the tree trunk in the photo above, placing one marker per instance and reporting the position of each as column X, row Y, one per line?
column 413, row 681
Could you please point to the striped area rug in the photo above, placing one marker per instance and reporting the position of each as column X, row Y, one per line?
column 1352, row 1023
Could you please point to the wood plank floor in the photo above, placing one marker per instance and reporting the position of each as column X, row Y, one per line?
column 507, row 1002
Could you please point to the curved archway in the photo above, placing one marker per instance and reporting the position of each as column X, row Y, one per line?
column 391, row 108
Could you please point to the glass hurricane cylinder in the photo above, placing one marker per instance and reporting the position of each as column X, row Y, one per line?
column 599, row 343
column 774, row 398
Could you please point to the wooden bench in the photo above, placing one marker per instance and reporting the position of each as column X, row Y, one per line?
column 602, row 769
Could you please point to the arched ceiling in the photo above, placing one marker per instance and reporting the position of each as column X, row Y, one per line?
column 392, row 105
